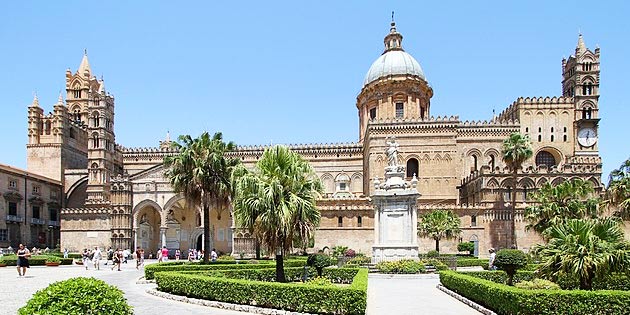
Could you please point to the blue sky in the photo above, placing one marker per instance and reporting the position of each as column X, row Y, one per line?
column 289, row 72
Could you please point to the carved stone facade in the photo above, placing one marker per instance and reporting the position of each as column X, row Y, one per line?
column 119, row 196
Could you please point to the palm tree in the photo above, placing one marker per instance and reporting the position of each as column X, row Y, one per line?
column 618, row 191
column 516, row 149
column 584, row 249
column 439, row 224
column 277, row 201
column 201, row 172
column 555, row 204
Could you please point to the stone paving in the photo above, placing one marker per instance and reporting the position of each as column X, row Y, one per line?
column 399, row 295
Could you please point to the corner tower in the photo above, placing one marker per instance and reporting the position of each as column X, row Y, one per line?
column 580, row 80
column 394, row 87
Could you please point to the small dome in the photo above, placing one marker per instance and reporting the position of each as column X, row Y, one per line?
column 391, row 63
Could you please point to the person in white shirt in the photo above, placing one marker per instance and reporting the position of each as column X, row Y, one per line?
column 213, row 255
column 97, row 255
column 493, row 255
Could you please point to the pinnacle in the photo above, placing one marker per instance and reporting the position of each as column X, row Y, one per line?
column 85, row 65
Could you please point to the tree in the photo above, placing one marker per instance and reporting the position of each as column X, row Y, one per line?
column 466, row 247
column 201, row 172
column 584, row 249
column 510, row 260
column 516, row 149
column 618, row 191
column 555, row 204
column 277, row 201
column 439, row 224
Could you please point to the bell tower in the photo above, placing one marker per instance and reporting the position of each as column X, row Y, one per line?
column 580, row 75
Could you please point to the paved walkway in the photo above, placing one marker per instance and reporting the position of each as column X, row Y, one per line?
column 405, row 296
column 385, row 296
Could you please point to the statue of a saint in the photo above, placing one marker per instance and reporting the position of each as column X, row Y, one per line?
column 392, row 152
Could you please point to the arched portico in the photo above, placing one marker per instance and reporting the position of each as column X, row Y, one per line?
column 147, row 220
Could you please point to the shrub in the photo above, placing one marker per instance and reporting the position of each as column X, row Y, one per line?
column 319, row 262
column 77, row 296
column 499, row 276
column 320, row 281
column 510, row 260
column 466, row 247
column 339, row 250
column 405, row 266
column 53, row 259
column 38, row 260
column 350, row 253
column 537, row 284
column 439, row 265
column 359, row 260
column 150, row 270
column 226, row 258
column 288, row 296
column 433, row 254
column 506, row 300
column 66, row 261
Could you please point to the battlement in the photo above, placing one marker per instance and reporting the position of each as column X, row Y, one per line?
column 563, row 169
column 509, row 112
column 85, row 211
column 432, row 119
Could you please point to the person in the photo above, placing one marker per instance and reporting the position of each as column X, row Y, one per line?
column 96, row 258
column 117, row 259
column 191, row 256
column 493, row 255
column 110, row 256
column 23, row 255
column 199, row 254
column 164, row 254
column 139, row 257
column 177, row 253
column 213, row 255
column 85, row 258
column 65, row 253
column 126, row 255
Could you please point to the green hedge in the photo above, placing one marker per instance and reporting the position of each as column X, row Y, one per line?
column 78, row 296
column 336, row 275
column 300, row 297
column 472, row 262
column 404, row 266
column 150, row 270
column 506, row 300
column 500, row 276
column 616, row 281
column 38, row 260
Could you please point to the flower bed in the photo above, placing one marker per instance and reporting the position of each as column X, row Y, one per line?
column 150, row 270
column 300, row 297
column 506, row 300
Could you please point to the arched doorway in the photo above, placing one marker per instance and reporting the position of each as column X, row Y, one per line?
column 199, row 242
column 148, row 229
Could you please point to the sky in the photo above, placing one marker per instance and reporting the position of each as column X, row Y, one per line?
column 267, row 72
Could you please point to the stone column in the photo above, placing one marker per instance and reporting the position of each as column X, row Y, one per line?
column 135, row 238
column 163, row 235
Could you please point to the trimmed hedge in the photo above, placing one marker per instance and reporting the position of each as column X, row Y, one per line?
column 404, row 266
column 150, row 270
column 336, row 275
column 37, row 260
column 499, row 276
column 472, row 262
column 77, row 296
column 506, row 300
column 617, row 281
column 300, row 297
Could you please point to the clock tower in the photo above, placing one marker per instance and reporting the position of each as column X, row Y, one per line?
column 580, row 75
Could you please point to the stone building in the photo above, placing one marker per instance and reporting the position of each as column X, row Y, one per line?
column 119, row 196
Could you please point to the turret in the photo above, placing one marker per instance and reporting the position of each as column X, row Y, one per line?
column 35, row 124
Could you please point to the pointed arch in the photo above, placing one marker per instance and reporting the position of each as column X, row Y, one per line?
column 541, row 182
column 328, row 183
column 356, row 183
column 493, row 183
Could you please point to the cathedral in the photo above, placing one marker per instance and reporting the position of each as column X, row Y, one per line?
column 118, row 196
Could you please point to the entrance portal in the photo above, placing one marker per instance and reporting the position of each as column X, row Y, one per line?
column 199, row 241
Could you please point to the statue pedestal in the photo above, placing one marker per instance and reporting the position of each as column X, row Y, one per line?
column 395, row 221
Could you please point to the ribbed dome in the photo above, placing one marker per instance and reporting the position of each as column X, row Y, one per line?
column 391, row 63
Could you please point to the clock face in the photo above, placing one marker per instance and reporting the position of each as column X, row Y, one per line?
column 587, row 137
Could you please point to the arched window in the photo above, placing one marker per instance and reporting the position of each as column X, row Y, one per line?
column 96, row 119
column 340, row 221
column 47, row 124
column 95, row 141
column 492, row 162
column 412, row 167
column 587, row 113
column 473, row 220
column 474, row 163
column 545, row 158
column 400, row 110
column 359, row 221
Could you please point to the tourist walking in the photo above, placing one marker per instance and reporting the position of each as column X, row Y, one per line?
column 85, row 258
column 65, row 253
column 139, row 257
column 213, row 255
column 23, row 255
column 110, row 256
column 164, row 253
column 117, row 259
column 97, row 255
column 493, row 256
column 191, row 255
column 177, row 253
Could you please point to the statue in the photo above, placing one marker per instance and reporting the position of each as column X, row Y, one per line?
column 392, row 152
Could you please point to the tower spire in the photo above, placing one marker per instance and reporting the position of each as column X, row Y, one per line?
column 581, row 47
column 393, row 40
column 35, row 100
column 60, row 99
column 85, row 65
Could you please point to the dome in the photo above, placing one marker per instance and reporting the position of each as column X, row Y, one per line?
column 391, row 63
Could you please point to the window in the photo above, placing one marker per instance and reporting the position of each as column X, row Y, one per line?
column 95, row 141
column 53, row 194
column 13, row 183
column 508, row 194
column 36, row 212
column 492, row 162
column 359, row 221
column 564, row 138
column 37, row 189
column 12, row 208
column 539, row 138
column 52, row 214
column 4, row 235
column 473, row 220
column 48, row 127
column 97, row 120
column 400, row 110
column 474, row 162
column 342, row 186
column 77, row 93
column 72, row 136
column 551, row 138
column 526, row 129
column 412, row 167
column 545, row 158
column 587, row 113
column 373, row 113
column 525, row 193
column 339, row 221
